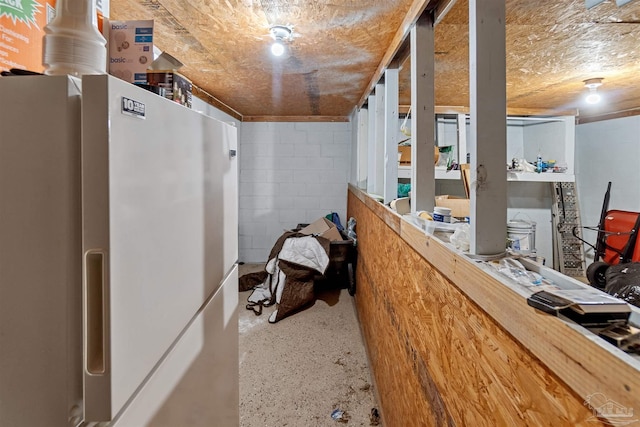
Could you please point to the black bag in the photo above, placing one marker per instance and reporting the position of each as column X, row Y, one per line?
column 623, row 281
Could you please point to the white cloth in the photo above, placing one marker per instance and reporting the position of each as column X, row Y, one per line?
column 306, row 251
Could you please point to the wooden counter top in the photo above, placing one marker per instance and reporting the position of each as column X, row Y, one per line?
column 558, row 367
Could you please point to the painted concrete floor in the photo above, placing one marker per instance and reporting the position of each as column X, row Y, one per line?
column 298, row 371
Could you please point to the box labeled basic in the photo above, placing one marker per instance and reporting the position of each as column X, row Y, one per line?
column 130, row 45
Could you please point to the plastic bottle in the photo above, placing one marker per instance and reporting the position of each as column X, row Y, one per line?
column 72, row 43
column 539, row 163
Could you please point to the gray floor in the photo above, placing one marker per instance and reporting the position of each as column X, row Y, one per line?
column 297, row 371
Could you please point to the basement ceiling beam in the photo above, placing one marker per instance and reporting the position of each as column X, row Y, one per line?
column 319, row 119
column 404, row 52
column 511, row 111
column 212, row 100
column 439, row 8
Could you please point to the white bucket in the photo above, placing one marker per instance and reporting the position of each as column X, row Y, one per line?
column 521, row 235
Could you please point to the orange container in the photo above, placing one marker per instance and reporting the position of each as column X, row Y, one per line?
column 618, row 226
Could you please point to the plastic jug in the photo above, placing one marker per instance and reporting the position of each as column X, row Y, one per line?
column 72, row 43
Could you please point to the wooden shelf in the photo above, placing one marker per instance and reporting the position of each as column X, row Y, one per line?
column 540, row 177
column 441, row 173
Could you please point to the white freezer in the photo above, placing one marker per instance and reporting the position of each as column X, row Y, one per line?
column 146, row 225
column 40, row 247
column 206, row 395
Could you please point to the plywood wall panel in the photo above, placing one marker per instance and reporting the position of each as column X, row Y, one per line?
column 390, row 218
column 384, row 344
column 437, row 357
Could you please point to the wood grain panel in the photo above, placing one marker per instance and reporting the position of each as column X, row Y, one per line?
column 390, row 218
column 576, row 355
column 225, row 44
column 340, row 51
column 552, row 47
column 438, row 358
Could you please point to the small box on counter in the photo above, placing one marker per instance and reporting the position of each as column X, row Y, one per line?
column 130, row 45
column 163, row 73
column 459, row 207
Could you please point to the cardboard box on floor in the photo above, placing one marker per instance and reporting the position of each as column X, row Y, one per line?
column 324, row 228
column 459, row 207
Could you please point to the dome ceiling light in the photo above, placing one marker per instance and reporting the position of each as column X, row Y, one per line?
column 280, row 34
column 592, row 84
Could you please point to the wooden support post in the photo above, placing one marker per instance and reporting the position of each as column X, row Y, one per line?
column 461, row 122
column 423, row 184
column 488, row 142
column 378, row 176
column 362, row 148
column 570, row 142
column 391, row 88
column 371, row 145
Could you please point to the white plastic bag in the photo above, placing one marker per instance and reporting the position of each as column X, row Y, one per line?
column 461, row 237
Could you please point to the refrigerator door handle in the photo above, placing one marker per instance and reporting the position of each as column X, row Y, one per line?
column 95, row 352
column 97, row 375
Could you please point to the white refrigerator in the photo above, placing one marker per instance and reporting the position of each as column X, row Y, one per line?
column 118, row 258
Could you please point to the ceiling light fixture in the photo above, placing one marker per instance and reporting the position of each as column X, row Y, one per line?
column 280, row 35
column 592, row 85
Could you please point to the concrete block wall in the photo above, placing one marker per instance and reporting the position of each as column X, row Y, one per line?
column 290, row 173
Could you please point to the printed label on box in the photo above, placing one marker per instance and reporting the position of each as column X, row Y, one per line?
column 130, row 49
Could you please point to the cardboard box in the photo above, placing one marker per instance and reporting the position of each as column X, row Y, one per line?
column 324, row 228
column 163, row 73
column 459, row 207
column 405, row 155
column 176, row 86
column 130, row 46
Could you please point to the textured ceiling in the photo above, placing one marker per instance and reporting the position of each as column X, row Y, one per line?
column 340, row 46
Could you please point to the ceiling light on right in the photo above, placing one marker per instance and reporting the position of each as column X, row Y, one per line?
column 592, row 84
